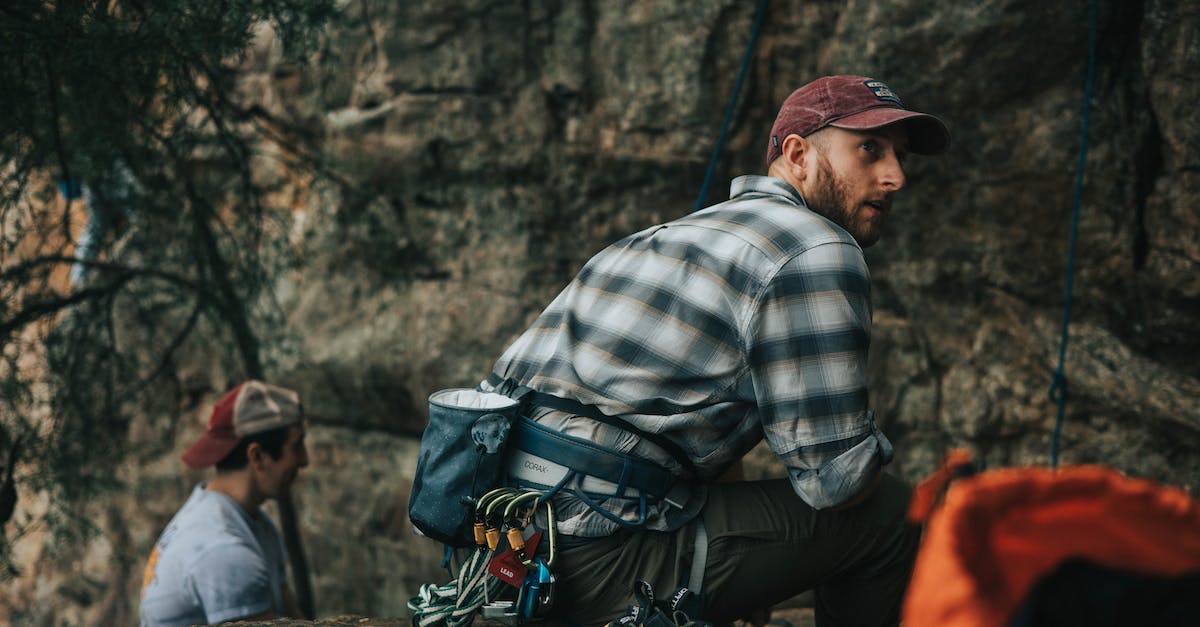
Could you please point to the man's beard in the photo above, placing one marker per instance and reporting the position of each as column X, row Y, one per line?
column 830, row 198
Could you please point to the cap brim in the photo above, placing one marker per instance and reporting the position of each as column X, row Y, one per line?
column 927, row 135
column 208, row 450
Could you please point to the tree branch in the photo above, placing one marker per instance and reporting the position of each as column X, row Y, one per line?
column 176, row 342
column 21, row 270
column 37, row 310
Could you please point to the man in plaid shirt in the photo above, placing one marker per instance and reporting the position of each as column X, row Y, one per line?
column 746, row 320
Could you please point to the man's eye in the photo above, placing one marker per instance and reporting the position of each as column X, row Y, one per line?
column 869, row 147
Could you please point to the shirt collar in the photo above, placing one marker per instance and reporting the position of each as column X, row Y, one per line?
column 755, row 184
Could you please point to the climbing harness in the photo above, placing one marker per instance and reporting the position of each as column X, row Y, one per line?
column 546, row 459
column 485, row 469
column 531, row 399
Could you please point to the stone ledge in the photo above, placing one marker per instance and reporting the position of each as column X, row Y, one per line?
column 347, row 620
column 791, row 617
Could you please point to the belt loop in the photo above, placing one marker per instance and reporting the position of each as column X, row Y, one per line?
column 699, row 557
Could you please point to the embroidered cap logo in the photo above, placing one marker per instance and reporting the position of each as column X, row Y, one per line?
column 883, row 92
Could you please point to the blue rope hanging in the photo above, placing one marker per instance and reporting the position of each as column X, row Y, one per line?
column 1058, row 388
column 737, row 89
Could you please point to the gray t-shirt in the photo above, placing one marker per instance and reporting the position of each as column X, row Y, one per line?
column 214, row 562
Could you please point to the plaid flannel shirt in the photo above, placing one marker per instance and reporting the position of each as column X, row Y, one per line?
column 748, row 319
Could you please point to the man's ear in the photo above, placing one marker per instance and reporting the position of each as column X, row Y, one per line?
column 796, row 150
column 254, row 454
column 792, row 162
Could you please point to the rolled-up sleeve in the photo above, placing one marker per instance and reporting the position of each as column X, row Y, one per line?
column 808, row 340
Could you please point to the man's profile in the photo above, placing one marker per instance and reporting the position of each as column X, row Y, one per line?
column 221, row 557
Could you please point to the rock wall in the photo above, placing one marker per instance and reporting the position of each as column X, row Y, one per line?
column 487, row 149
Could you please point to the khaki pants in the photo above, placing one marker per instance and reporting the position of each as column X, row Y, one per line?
column 765, row 546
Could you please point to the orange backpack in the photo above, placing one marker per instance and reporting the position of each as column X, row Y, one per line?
column 1033, row 546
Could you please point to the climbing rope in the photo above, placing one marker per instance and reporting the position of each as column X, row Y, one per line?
column 733, row 98
column 458, row 602
column 1058, row 388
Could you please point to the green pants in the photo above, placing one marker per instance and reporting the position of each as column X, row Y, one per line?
column 765, row 546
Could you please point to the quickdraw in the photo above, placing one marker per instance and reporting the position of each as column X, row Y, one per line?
column 501, row 513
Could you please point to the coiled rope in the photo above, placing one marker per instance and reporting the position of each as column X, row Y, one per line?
column 457, row 603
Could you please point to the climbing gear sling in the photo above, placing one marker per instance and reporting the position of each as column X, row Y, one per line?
column 647, row 611
column 547, row 458
column 463, row 495
column 502, row 518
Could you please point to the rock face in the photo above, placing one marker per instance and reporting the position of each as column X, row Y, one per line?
column 487, row 149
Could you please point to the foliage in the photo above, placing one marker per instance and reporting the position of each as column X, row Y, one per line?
column 136, row 103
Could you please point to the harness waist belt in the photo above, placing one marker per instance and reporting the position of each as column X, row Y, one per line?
column 546, row 457
column 530, row 398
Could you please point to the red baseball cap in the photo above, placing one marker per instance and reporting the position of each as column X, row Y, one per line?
column 252, row 407
column 857, row 103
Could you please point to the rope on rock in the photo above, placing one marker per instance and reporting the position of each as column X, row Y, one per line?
column 733, row 98
column 457, row 602
column 1058, row 388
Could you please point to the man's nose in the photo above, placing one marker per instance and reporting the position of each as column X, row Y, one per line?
column 891, row 175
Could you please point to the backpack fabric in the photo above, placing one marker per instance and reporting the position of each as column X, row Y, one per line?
column 1035, row 546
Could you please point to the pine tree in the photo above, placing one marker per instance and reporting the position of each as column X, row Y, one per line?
column 131, row 109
